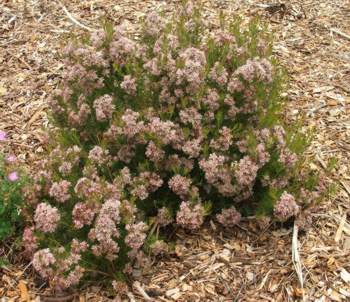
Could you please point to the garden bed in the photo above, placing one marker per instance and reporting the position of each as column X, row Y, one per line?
column 312, row 42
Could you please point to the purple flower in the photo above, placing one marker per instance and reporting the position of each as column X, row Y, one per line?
column 2, row 135
column 13, row 176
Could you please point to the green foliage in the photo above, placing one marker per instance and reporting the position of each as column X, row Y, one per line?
column 11, row 201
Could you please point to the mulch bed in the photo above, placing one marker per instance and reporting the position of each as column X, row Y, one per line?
column 312, row 41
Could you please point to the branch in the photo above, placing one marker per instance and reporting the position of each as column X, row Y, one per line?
column 75, row 21
column 338, row 32
column 141, row 291
column 296, row 258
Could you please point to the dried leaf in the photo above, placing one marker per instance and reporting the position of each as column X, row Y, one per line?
column 24, row 291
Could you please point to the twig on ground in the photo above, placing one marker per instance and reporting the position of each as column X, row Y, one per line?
column 264, row 280
column 296, row 258
column 340, row 33
column 131, row 297
column 345, row 186
column 340, row 229
column 141, row 291
column 64, row 298
column 75, row 21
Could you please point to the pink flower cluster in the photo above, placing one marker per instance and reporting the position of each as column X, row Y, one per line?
column 136, row 236
column 154, row 153
column 105, row 230
column 190, row 217
column 246, row 171
column 180, row 185
column 43, row 260
column 256, row 69
column 82, row 214
column 121, row 48
column 229, row 217
column 224, row 141
column 153, row 24
column 145, row 183
column 104, row 108
column 194, row 61
column 286, row 207
column 219, row 74
column 218, row 174
column 46, row 218
column 60, row 191
column 61, row 272
column 29, row 242
column 131, row 125
column 129, row 85
column 98, row 155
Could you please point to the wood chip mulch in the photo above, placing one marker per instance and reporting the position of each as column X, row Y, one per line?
column 247, row 264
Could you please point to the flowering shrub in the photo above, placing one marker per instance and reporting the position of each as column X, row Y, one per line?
column 163, row 130
column 11, row 199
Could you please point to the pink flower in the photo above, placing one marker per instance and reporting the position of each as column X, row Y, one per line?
column 98, row 155
column 154, row 153
column 288, row 157
column 229, row 217
column 29, row 241
column 129, row 85
column 246, row 171
column 137, row 235
column 42, row 262
column 131, row 125
column 2, row 136
column 263, row 155
column 13, row 176
column 46, row 218
column 60, row 190
column 235, row 85
column 104, row 108
column 224, row 141
column 11, row 158
column 286, row 207
column 194, row 65
column 192, row 148
column 106, row 230
column 97, row 38
column 153, row 24
column 219, row 74
column 180, row 185
column 190, row 116
column 82, row 214
column 212, row 100
column 213, row 167
column 256, row 69
column 190, row 217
